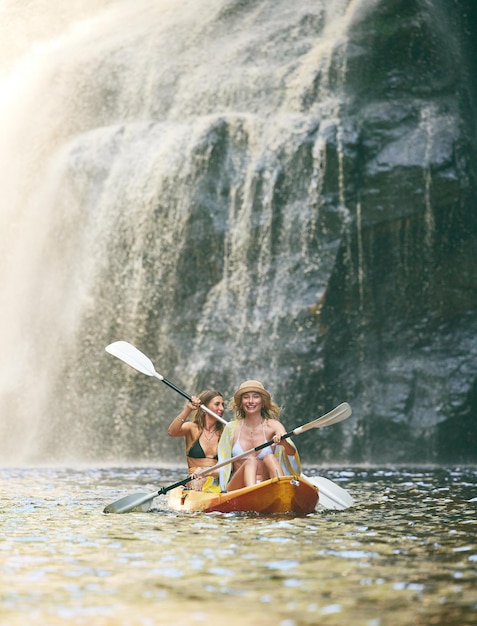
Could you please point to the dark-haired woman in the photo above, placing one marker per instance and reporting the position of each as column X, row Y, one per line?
column 201, row 433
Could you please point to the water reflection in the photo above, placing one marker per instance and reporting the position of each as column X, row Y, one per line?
column 405, row 554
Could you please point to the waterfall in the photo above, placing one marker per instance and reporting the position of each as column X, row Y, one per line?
column 145, row 196
column 179, row 175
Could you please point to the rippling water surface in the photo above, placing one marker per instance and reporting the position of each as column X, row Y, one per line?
column 405, row 554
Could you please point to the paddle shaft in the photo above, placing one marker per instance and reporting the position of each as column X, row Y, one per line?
column 189, row 397
column 172, row 386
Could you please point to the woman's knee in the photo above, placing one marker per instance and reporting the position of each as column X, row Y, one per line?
column 272, row 465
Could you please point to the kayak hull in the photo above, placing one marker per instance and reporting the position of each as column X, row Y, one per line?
column 284, row 494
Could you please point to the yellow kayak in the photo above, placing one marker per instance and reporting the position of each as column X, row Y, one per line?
column 285, row 494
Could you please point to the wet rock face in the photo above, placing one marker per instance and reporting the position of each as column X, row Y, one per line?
column 400, row 312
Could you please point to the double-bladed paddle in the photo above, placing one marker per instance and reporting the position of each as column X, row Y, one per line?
column 138, row 500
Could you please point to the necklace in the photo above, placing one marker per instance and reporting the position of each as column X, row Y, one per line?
column 212, row 432
column 252, row 430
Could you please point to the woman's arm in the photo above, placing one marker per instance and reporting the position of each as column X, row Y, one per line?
column 278, row 432
column 176, row 427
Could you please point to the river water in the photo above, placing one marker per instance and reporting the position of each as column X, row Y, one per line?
column 404, row 554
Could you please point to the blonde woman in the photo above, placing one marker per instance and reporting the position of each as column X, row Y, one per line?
column 256, row 422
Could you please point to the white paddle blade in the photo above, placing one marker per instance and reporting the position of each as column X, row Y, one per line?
column 338, row 414
column 132, row 356
column 341, row 413
column 138, row 501
column 331, row 495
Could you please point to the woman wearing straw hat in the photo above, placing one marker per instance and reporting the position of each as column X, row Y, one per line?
column 256, row 422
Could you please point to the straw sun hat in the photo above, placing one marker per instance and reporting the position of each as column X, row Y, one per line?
column 251, row 385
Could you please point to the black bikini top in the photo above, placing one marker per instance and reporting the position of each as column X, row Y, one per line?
column 197, row 452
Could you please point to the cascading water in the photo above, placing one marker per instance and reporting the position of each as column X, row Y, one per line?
column 136, row 154
column 179, row 177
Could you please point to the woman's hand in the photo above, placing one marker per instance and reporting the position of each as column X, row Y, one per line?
column 194, row 403
column 277, row 439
